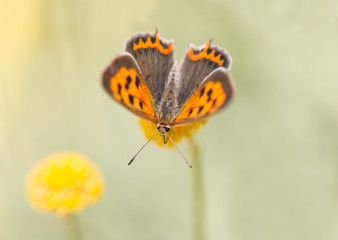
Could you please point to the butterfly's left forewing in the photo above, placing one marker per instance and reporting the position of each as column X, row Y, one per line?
column 215, row 93
column 122, row 80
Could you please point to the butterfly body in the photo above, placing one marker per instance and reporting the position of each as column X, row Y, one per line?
column 147, row 80
column 169, row 105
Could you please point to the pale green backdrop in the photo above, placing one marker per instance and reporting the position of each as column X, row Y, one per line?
column 270, row 160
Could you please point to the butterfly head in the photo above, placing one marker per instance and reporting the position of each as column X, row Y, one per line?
column 163, row 128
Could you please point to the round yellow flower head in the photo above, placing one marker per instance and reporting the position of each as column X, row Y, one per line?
column 63, row 183
column 176, row 133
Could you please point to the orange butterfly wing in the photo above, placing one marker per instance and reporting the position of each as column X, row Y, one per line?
column 215, row 93
column 122, row 80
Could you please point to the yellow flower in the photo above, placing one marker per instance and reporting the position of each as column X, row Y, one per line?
column 176, row 133
column 63, row 183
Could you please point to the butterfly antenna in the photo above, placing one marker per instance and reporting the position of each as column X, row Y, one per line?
column 142, row 148
column 185, row 159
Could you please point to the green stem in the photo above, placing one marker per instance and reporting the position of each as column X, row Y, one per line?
column 198, row 195
column 71, row 227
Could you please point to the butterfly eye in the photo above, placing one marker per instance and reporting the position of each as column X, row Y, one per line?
column 167, row 129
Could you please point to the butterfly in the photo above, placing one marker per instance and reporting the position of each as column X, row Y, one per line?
column 147, row 80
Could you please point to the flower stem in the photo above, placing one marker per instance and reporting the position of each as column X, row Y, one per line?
column 71, row 227
column 198, row 197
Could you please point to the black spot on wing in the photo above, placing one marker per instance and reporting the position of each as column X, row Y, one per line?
column 128, row 82
column 214, row 102
column 137, row 81
column 209, row 50
column 128, row 79
column 131, row 99
column 200, row 109
column 190, row 112
column 141, row 105
column 209, row 92
column 202, row 91
column 119, row 88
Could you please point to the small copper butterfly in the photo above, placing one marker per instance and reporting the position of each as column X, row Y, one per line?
column 147, row 80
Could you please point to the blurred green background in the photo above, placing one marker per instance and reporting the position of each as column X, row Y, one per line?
column 270, row 160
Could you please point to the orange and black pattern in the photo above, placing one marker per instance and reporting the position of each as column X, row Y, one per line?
column 145, row 42
column 127, row 87
column 204, row 102
column 209, row 52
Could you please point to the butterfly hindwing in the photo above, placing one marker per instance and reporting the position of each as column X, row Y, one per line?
column 122, row 80
column 214, row 93
column 155, row 57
